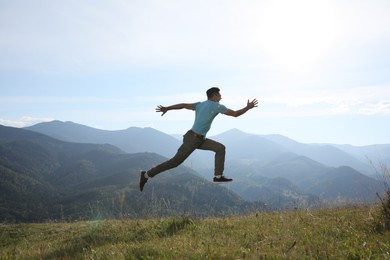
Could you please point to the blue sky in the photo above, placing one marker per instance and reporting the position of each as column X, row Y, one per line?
column 320, row 69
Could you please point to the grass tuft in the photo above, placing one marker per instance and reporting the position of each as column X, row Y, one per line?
column 171, row 226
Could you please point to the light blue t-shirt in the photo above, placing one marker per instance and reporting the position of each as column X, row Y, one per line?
column 205, row 112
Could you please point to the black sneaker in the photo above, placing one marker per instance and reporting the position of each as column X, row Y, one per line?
column 222, row 179
column 142, row 180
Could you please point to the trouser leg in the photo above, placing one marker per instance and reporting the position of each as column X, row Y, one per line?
column 190, row 143
column 220, row 151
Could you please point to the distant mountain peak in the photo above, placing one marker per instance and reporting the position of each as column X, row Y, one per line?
column 233, row 133
column 236, row 130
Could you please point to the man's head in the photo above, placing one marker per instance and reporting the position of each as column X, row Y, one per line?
column 213, row 94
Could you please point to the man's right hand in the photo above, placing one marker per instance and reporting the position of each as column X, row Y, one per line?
column 162, row 109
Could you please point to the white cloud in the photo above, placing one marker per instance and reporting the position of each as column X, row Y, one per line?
column 369, row 100
column 381, row 107
column 24, row 121
column 25, row 100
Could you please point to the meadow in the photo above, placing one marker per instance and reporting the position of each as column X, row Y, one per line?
column 338, row 233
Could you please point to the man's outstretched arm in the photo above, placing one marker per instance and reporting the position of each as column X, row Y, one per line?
column 163, row 109
column 242, row 111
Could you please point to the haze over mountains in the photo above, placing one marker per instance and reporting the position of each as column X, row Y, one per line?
column 64, row 170
column 131, row 140
column 251, row 156
column 238, row 143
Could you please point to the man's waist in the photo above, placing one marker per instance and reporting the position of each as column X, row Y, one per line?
column 196, row 134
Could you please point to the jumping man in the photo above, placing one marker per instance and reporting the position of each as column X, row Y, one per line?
column 195, row 138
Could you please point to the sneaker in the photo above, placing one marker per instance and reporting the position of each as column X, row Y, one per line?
column 222, row 179
column 142, row 180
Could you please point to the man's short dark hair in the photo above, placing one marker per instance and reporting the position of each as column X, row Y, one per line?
column 212, row 91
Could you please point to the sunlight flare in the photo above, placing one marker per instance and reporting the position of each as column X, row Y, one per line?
column 298, row 33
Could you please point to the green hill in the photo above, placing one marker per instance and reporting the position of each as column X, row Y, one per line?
column 344, row 233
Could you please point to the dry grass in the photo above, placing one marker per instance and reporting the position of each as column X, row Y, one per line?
column 347, row 233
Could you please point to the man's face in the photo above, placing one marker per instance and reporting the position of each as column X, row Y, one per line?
column 217, row 97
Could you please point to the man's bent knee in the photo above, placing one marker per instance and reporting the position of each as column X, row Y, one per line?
column 221, row 148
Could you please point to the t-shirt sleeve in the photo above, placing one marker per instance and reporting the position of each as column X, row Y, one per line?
column 222, row 109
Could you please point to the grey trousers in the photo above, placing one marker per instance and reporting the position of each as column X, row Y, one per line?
column 190, row 143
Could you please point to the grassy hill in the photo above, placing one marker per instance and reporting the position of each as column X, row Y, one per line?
column 344, row 233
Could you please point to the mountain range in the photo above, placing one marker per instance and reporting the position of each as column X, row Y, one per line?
column 45, row 179
column 251, row 156
column 63, row 170
column 239, row 144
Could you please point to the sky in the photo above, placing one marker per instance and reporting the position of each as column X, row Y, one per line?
column 320, row 69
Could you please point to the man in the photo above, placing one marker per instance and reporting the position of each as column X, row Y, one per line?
column 195, row 138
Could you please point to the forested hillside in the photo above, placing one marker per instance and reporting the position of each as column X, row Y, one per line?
column 43, row 179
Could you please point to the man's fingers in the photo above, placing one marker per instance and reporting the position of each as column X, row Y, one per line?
column 253, row 103
column 161, row 109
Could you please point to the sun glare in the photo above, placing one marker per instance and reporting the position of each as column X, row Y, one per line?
column 298, row 33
